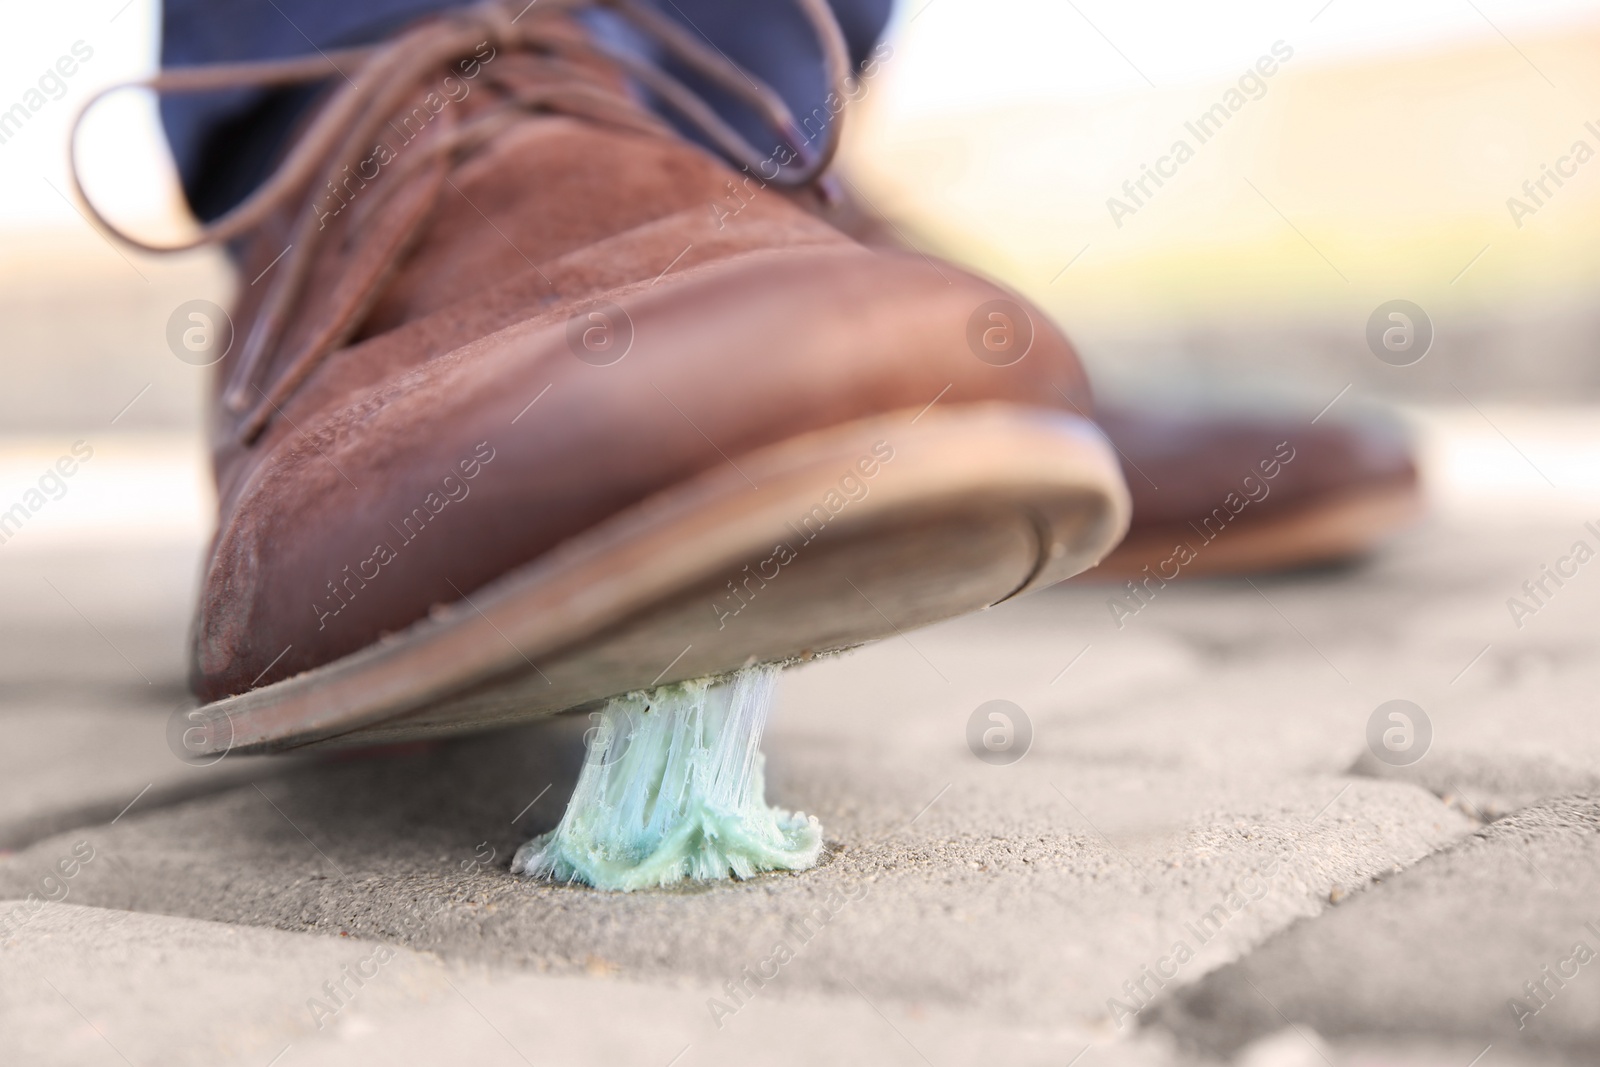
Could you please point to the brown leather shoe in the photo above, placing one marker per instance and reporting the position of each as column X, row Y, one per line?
column 536, row 403
column 1229, row 492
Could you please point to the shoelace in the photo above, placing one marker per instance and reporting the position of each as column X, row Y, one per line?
column 381, row 79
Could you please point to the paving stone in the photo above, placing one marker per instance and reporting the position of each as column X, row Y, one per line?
column 93, row 667
column 83, row 759
column 1485, row 786
column 1030, row 892
column 93, row 986
column 1496, row 939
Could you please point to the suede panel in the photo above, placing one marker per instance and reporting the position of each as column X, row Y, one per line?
column 448, row 281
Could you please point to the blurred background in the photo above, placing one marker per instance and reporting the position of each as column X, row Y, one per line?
column 1383, row 157
column 1375, row 163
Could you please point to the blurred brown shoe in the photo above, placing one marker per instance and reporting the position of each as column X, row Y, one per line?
column 1233, row 492
column 1336, row 489
column 535, row 403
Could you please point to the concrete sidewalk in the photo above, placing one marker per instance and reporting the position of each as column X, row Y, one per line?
column 1199, row 858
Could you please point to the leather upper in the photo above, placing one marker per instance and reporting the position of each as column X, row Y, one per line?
column 409, row 469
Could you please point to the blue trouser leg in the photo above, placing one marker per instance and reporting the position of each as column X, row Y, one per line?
column 225, row 143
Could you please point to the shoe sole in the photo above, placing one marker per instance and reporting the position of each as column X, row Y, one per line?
column 1328, row 532
column 977, row 504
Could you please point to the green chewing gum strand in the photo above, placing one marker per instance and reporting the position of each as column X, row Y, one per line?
column 673, row 789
